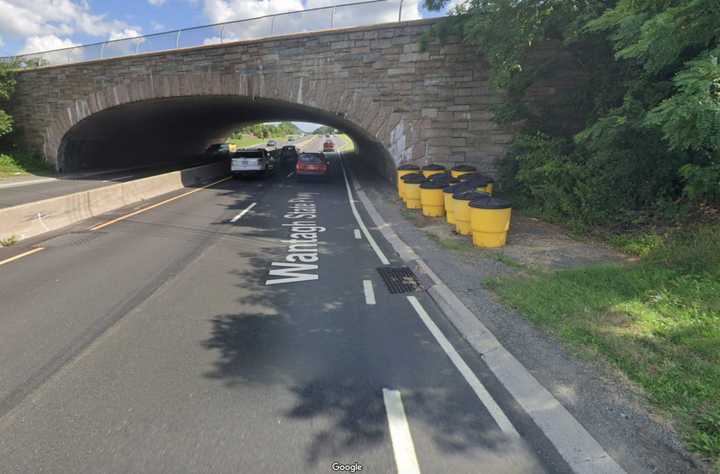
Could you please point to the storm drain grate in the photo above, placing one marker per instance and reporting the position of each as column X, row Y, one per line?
column 399, row 279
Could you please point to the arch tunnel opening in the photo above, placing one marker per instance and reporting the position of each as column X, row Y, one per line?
column 177, row 131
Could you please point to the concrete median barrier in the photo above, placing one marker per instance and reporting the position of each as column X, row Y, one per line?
column 35, row 218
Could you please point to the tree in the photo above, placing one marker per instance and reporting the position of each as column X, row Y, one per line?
column 647, row 100
column 325, row 130
column 7, row 87
column 265, row 130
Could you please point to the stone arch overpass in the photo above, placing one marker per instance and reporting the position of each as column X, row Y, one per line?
column 396, row 100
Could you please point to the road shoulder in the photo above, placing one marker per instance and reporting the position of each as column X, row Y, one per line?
column 597, row 398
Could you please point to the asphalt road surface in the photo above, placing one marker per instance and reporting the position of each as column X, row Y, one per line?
column 180, row 340
column 16, row 193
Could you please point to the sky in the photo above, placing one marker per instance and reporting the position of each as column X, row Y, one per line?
column 41, row 25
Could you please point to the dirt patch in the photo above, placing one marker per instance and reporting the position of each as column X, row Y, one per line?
column 532, row 243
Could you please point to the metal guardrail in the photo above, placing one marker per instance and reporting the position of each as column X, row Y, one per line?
column 346, row 15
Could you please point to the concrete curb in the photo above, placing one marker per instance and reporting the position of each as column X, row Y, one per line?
column 577, row 447
column 35, row 218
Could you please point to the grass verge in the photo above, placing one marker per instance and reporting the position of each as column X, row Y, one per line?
column 19, row 163
column 9, row 241
column 658, row 321
column 250, row 141
column 348, row 145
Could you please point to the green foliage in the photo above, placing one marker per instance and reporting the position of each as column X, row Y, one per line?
column 689, row 251
column 703, row 182
column 642, row 146
column 690, row 118
column 640, row 243
column 265, row 130
column 659, row 34
column 7, row 86
column 9, row 241
column 18, row 162
column 642, row 131
column 584, row 187
column 657, row 321
column 506, row 30
column 325, row 130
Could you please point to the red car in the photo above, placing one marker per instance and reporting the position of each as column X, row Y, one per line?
column 328, row 146
column 311, row 164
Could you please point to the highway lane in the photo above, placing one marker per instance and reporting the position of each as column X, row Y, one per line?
column 13, row 194
column 156, row 345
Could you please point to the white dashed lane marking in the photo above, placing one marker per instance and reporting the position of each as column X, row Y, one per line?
column 369, row 292
column 242, row 213
column 402, row 443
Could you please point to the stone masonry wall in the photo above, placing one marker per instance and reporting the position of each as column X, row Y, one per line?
column 422, row 106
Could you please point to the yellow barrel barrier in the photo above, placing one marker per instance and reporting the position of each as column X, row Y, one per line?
column 459, row 170
column 431, row 198
column 489, row 185
column 448, row 192
column 481, row 182
column 411, row 190
column 432, row 169
column 402, row 170
column 444, row 178
column 461, row 209
column 489, row 222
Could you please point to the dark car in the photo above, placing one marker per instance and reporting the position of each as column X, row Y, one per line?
column 271, row 143
column 217, row 151
column 288, row 153
column 252, row 161
column 328, row 145
column 312, row 164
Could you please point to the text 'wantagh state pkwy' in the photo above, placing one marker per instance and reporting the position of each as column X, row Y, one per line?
column 303, row 252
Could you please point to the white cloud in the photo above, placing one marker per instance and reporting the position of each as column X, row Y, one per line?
column 219, row 11
column 457, row 5
column 125, row 33
column 53, row 22
column 156, row 25
column 35, row 44
column 156, row 3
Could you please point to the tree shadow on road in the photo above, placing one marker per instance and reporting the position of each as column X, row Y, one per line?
column 321, row 344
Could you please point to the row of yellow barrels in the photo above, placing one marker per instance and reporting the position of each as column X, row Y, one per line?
column 462, row 195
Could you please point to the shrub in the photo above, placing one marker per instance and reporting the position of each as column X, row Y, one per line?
column 647, row 101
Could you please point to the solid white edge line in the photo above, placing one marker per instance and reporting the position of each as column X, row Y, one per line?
column 369, row 292
column 492, row 407
column 357, row 233
column 383, row 259
column 574, row 443
column 242, row 213
column 400, row 437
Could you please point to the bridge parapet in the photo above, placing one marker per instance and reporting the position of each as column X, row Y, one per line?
column 423, row 106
